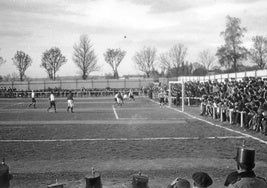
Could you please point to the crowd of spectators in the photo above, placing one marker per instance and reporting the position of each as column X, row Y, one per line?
column 229, row 98
column 248, row 96
column 58, row 92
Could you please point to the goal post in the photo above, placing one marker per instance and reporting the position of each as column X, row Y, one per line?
column 170, row 92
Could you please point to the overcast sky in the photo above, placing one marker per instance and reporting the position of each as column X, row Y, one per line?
column 37, row 25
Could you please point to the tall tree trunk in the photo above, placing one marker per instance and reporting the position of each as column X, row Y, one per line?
column 235, row 65
column 54, row 75
column 116, row 75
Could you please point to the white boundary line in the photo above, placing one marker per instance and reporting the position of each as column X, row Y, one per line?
column 216, row 125
column 8, row 106
column 125, row 139
column 115, row 113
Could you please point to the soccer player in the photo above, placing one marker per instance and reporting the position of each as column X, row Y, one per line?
column 131, row 95
column 52, row 102
column 119, row 99
column 161, row 98
column 115, row 98
column 70, row 102
column 33, row 99
column 125, row 96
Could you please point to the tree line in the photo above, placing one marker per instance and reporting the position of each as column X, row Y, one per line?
column 172, row 63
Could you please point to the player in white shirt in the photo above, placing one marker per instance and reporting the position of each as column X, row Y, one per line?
column 119, row 99
column 33, row 99
column 131, row 95
column 161, row 98
column 52, row 102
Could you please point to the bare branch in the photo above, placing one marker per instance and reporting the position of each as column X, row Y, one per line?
column 22, row 61
column 114, row 57
column 145, row 60
column 52, row 60
column 84, row 57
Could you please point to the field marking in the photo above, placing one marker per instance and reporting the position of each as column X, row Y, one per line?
column 115, row 113
column 107, row 122
column 8, row 106
column 216, row 125
column 77, row 109
column 126, row 139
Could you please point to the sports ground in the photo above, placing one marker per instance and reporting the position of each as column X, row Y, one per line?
column 163, row 143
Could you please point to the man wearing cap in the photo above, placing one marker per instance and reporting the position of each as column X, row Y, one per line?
column 179, row 183
column 201, row 180
column 245, row 177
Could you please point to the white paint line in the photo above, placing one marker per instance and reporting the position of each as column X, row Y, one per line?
column 114, row 110
column 8, row 106
column 216, row 125
column 125, row 139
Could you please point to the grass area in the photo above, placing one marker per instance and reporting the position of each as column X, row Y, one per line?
column 36, row 164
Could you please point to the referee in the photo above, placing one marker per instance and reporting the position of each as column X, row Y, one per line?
column 52, row 102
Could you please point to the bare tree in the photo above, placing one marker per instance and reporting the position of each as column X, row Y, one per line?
column 173, row 59
column 232, row 52
column 164, row 62
column 84, row 56
column 206, row 59
column 177, row 55
column 52, row 60
column 2, row 61
column 259, row 52
column 145, row 60
column 114, row 57
column 22, row 61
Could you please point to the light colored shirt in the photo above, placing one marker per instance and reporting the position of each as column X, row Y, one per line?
column 33, row 94
column 52, row 97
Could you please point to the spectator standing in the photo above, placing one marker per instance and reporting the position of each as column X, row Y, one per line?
column 52, row 102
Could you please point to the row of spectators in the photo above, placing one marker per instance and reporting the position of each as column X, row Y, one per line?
column 243, row 177
column 58, row 92
column 230, row 98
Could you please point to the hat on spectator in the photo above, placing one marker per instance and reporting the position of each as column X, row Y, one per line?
column 245, row 156
column 182, row 183
column 202, row 179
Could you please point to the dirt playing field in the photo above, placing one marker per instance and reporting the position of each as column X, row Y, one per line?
column 163, row 143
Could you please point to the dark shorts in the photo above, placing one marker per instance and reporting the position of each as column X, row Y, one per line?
column 161, row 100
column 52, row 103
column 33, row 100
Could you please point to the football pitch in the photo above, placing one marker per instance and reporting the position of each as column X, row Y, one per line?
column 163, row 143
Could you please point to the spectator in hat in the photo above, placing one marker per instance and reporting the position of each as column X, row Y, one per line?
column 179, row 183
column 245, row 177
column 5, row 177
column 201, row 180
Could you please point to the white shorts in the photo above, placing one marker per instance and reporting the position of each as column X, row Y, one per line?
column 70, row 103
column 119, row 100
